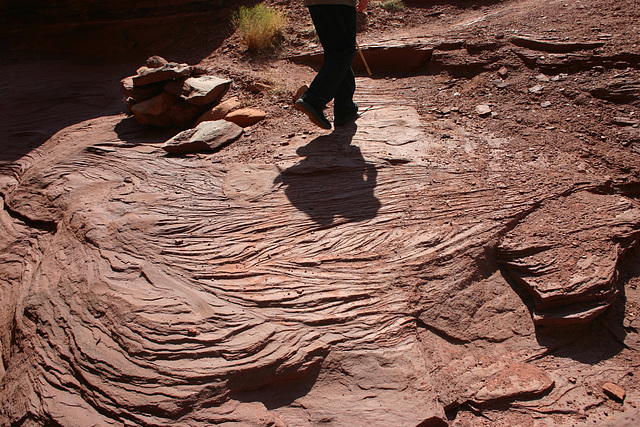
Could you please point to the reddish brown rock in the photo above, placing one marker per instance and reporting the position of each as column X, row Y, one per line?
column 183, row 115
column 568, row 261
column 614, row 391
column 200, row 90
column 515, row 382
column 155, row 111
column 246, row 117
column 156, row 62
column 554, row 46
column 219, row 111
column 139, row 93
column 206, row 136
column 166, row 72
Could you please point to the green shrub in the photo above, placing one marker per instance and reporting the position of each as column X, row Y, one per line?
column 260, row 26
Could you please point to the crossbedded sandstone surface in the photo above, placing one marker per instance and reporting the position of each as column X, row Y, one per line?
column 412, row 268
column 334, row 285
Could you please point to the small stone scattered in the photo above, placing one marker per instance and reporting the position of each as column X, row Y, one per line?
column 536, row 89
column 483, row 110
column 614, row 391
column 542, row 78
column 246, row 117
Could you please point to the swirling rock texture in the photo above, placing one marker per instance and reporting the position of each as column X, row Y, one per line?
column 393, row 272
column 154, row 290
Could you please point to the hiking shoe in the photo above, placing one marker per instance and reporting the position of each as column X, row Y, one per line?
column 301, row 90
column 348, row 118
column 316, row 116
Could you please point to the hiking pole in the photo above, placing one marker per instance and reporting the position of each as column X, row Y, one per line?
column 364, row 61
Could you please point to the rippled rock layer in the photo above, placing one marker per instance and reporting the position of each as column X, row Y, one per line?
column 353, row 281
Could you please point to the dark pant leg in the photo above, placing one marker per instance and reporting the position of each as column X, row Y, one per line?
column 336, row 28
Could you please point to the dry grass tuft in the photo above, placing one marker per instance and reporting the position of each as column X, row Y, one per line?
column 391, row 4
column 261, row 26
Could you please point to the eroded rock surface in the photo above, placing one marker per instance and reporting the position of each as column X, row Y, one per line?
column 566, row 254
column 359, row 277
column 176, row 290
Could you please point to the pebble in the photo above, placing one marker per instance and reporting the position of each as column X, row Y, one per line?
column 542, row 78
column 614, row 391
column 545, row 104
column 483, row 110
column 536, row 89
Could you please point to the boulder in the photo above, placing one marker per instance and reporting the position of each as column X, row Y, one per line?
column 200, row 90
column 219, row 111
column 206, row 136
column 155, row 111
column 168, row 71
column 246, row 117
column 518, row 381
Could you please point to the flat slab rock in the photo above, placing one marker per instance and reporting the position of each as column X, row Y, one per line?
column 566, row 253
column 168, row 71
column 200, row 90
column 207, row 136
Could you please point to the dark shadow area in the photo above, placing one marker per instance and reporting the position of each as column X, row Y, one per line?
column 131, row 132
column 333, row 180
column 41, row 98
column 281, row 393
column 116, row 31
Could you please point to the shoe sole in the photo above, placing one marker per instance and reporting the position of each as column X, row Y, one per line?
column 300, row 105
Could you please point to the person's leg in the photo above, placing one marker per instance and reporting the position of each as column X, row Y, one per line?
column 343, row 106
column 336, row 29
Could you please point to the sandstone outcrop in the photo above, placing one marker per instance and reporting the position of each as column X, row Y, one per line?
column 568, row 262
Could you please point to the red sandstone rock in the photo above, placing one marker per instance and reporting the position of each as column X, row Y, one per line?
column 183, row 115
column 155, row 111
column 168, row 71
column 200, row 90
column 219, row 111
column 246, row 117
column 206, row 136
column 516, row 381
column 142, row 92
column 614, row 391
column 156, row 62
column 568, row 261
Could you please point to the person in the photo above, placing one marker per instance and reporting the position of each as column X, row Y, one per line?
column 335, row 23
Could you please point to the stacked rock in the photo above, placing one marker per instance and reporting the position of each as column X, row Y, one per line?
column 170, row 94
column 176, row 95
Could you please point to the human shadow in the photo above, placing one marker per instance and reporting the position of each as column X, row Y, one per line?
column 333, row 180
